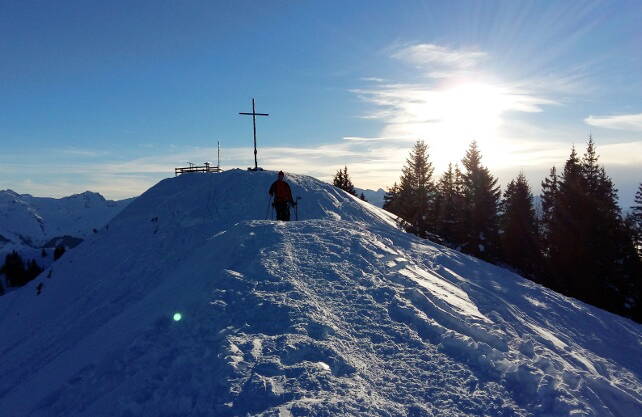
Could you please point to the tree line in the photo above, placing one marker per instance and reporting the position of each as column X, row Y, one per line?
column 19, row 272
column 577, row 243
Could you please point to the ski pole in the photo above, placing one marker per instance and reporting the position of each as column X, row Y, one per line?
column 267, row 209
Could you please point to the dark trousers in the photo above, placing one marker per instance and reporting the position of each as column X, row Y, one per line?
column 282, row 210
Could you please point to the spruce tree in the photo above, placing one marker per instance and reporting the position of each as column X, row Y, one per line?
column 590, row 249
column 519, row 228
column 480, row 202
column 416, row 192
column 14, row 270
column 58, row 252
column 390, row 199
column 447, row 206
column 363, row 197
column 636, row 220
column 33, row 270
column 342, row 180
column 565, row 239
column 550, row 187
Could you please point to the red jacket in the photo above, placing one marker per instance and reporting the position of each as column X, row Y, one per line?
column 281, row 192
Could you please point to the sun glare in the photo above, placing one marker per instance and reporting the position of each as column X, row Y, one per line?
column 460, row 113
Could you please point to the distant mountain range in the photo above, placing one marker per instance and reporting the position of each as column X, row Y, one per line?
column 374, row 197
column 37, row 222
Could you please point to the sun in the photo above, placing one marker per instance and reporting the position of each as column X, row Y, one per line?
column 462, row 112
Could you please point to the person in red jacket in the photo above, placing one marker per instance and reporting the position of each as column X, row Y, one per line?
column 280, row 190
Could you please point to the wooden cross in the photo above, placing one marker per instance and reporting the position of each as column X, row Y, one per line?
column 254, row 114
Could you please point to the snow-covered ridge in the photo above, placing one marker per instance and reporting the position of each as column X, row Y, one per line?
column 339, row 313
column 32, row 221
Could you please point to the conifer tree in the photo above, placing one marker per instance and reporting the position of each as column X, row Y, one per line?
column 447, row 206
column 590, row 250
column 342, row 180
column 565, row 237
column 58, row 252
column 416, row 192
column 636, row 220
column 363, row 197
column 33, row 270
column 481, row 198
column 390, row 202
column 550, row 187
column 519, row 228
column 14, row 270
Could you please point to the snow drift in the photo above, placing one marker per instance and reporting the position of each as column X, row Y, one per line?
column 339, row 313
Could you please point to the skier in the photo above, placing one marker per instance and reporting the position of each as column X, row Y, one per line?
column 282, row 198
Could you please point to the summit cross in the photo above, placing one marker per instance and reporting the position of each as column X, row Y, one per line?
column 254, row 114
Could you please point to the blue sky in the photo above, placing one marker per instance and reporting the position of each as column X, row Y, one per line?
column 111, row 96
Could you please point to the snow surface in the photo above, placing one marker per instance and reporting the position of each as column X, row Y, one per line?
column 337, row 314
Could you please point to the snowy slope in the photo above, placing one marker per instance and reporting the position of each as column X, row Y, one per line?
column 25, row 219
column 337, row 314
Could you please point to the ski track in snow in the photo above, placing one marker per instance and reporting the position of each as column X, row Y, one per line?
column 337, row 314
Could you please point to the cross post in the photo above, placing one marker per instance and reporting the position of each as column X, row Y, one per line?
column 254, row 114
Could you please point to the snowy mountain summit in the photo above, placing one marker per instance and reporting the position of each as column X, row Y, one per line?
column 191, row 303
column 32, row 221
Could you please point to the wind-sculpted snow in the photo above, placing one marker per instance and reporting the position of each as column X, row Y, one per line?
column 339, row 313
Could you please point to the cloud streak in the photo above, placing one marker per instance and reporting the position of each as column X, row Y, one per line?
column 630, row 122
column 431, row 55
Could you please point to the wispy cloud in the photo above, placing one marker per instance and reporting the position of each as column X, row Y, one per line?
column 631, row 122
column 84, row 153
column 123, row 178
column 451, row 102
column 431, row 55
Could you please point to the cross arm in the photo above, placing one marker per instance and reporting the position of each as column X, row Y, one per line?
column 256, row 114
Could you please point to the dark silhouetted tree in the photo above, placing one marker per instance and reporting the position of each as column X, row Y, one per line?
column 636, row 220
column 14, row 270
column 519, row 228
column 448, row 206
column 342, row 180
column 58, row 252
column 480, row 201
column 363, row 197
column 33, row 270
column 590, row 250
column 565, row 239
column 416, row 192
column 550, row 187
column 16, row 273
column 390, row 199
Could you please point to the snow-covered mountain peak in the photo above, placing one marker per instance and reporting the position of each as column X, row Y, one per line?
column 191, row 303
column 33, row 221
column 8, row 193
column 237, row 195
column 88, row 196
